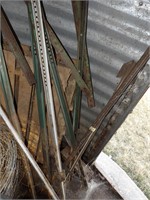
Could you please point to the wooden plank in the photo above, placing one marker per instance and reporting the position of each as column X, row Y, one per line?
column 68, row 86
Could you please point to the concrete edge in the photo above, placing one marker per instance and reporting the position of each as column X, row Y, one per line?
column 118, row 178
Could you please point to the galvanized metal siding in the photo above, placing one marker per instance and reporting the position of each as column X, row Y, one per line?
column 118, row 31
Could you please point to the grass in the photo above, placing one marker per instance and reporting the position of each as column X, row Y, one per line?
column 130, row 146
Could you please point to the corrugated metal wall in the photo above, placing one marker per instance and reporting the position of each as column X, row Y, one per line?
column 118, row 31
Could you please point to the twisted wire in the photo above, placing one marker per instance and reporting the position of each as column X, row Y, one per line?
column 9, row 163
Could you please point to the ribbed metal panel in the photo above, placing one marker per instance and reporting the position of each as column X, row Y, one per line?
column 118, row 31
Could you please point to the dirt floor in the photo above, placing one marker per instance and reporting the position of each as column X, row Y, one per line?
column 97, row 187
column 130, row 146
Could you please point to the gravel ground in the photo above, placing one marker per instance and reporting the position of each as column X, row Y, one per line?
column 130, row 146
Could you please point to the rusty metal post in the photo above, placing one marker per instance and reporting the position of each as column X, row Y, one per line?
column 80, row 15
column 16, row 85
column 78, row 18
column 46, row 78
column 70, row 137
column 67, row 60
column 29, row 117
column 43, row 137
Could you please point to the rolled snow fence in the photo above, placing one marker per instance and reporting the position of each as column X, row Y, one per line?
column 118, row 178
